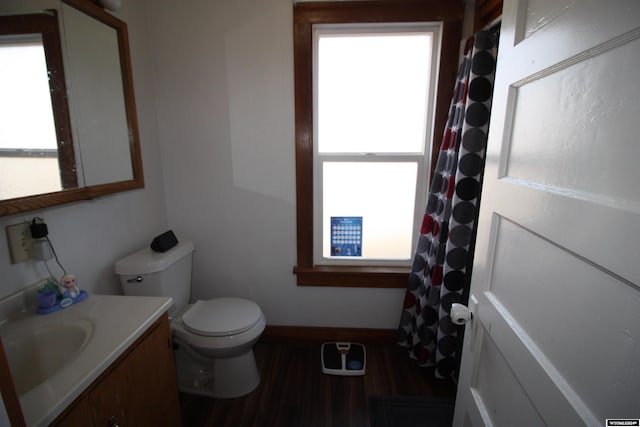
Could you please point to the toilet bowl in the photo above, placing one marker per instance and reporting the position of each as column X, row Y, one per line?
column 207, row 331
column 213, row 339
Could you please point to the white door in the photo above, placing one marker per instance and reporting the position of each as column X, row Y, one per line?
column 555, row 338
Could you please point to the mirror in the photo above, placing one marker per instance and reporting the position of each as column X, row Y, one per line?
column 95, row 148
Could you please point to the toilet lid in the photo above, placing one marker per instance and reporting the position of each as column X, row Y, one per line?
column 221, row 316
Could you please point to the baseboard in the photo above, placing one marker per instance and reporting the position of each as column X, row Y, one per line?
column 278, row 334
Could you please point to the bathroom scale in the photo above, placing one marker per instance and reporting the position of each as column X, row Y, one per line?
column 343, row 358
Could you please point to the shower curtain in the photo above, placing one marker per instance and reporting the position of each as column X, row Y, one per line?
column 442, row 262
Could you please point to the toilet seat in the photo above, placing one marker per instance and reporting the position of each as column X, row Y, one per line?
column 220, row 317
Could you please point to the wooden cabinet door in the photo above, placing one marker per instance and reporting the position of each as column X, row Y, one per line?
column 8, row 393
column 78, row 415
column 142, row 390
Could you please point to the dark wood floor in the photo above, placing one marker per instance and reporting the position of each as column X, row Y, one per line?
column 295, row 393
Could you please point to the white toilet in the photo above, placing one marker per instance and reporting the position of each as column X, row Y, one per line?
column 215, row 338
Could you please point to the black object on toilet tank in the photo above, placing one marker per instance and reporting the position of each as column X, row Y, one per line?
column 164, row 242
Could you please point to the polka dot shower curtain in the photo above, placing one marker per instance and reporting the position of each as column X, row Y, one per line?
column 441, row 267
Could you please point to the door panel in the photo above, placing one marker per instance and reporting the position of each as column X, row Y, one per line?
column 570, row 20
column 497, row 384
column 555, row 337
column 553, row 398
column 533, row 277
column 574, row 95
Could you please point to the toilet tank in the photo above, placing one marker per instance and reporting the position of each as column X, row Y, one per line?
column 167, row 274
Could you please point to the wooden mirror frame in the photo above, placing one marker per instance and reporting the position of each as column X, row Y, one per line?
column 28, row 203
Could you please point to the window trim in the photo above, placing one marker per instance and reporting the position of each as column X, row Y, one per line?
column 305, row 14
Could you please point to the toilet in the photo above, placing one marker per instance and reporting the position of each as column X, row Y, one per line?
column 213, row 339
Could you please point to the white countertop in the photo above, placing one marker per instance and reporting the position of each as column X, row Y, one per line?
column 117, row 322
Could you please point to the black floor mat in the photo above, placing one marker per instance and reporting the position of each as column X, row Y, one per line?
column 410, row 411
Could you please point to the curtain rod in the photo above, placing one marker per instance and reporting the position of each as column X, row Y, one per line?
column 496, row 22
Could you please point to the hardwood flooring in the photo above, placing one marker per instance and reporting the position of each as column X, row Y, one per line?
column 295, row 393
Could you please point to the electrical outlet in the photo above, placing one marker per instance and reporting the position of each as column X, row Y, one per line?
column 20, row 241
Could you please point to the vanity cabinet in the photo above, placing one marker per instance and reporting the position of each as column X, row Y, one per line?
column 139, row 389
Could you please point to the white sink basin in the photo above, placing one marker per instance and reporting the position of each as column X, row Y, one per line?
column 54, row 357
column 37, row 351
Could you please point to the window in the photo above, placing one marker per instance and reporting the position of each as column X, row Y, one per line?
column 33, row 91
column 28, row 154
column 350, row 108
column 370, row 164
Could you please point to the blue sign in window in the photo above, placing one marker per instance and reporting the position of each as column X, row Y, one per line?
column 346, row 236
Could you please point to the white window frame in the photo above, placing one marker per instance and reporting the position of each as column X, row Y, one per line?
column 422, row 158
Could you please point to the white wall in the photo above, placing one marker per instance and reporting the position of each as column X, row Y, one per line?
column 224, row 92
column 90, row 236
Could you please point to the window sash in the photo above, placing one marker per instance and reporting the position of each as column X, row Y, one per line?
column 419, row 199
column 369, row 30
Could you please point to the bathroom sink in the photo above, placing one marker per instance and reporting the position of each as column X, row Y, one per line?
column 37, row 350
